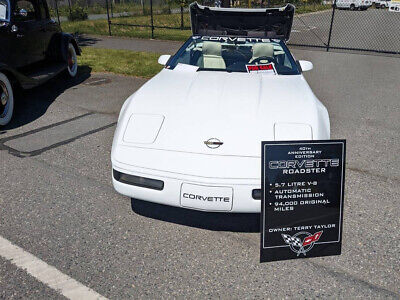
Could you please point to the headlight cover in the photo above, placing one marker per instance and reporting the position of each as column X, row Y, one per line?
column 143, row 128
column 292, row 132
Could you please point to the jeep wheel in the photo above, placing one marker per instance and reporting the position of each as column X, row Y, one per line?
column 6, row 100
column 72, row 61
column 352, row 7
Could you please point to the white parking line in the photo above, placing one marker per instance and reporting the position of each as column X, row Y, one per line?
column 50, row 276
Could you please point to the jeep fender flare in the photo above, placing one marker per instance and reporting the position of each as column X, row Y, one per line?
column 11, row 74
column 65, row 40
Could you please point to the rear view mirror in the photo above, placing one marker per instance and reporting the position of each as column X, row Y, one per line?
column 163, row 59
column 305, row 65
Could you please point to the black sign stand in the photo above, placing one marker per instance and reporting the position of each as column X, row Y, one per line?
column 302, row 199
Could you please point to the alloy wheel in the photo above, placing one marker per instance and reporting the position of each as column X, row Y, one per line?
column 72, row 61
column 4, row 96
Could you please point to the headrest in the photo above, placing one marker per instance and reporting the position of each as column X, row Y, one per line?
column 262, row 49
column 212, row 48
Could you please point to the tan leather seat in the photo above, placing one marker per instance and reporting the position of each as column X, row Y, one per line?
column 262, row 50
column 212, row 56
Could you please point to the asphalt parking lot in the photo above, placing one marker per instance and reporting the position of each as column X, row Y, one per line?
column 57, row 201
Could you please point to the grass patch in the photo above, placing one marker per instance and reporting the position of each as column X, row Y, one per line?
column 100, row 27
column 303, row 9
column 125, row 62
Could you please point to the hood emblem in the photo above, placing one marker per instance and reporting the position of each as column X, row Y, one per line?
column 213, row 143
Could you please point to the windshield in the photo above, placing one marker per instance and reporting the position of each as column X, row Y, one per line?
column 235, row 54
column 4, row 7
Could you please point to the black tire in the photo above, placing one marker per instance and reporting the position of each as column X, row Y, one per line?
column 352, row 7
column 383, row 6
column 6, row 100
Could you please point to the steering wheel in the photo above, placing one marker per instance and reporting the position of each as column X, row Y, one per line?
column 259, row 59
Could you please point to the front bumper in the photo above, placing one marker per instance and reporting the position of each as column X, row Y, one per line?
column 242, row 196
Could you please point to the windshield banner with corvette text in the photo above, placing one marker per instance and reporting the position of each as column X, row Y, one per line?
column 302, row 199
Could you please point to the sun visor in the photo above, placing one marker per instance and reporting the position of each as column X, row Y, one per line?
column 261, row 22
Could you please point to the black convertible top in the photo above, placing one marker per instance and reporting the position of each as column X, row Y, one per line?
column 260, row 22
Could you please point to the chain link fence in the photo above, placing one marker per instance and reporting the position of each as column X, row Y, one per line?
column 365, row 29
column 320, row 24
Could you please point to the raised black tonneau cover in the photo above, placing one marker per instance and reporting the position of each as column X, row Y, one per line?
column 260, row 22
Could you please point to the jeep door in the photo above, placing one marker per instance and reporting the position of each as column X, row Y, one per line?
column 26, row 30
column 48, row 31
column 5, row 35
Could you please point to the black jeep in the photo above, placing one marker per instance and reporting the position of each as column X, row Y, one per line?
column 33, row 49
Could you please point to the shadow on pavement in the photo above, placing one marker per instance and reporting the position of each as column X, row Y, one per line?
column 32, row 104
column 198, row 219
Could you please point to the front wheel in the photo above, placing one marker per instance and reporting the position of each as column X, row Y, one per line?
column 72, row 61
column 6, row 100
column 352, row 7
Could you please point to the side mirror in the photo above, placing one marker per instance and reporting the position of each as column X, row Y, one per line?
column 163, row 59
column 305, row 65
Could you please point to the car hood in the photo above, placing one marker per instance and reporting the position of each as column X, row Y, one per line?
column 239, row 109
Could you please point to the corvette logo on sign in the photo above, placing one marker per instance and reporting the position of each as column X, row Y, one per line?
column 300, row 246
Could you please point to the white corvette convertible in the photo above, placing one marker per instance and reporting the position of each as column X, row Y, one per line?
column 191, row 136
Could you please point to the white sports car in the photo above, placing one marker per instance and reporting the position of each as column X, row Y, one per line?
column 191, row 136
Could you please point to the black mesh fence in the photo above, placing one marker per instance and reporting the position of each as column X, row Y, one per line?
column 312, row 29
column 367, row 29
column 376, row 30
column 358, row 25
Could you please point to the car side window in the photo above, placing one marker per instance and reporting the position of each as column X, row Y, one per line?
column 28, row 6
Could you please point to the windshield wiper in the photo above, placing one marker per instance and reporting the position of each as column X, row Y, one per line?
column 212, row 69
column 222, row 70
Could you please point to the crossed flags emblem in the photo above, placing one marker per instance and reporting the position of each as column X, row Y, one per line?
column 297, row 245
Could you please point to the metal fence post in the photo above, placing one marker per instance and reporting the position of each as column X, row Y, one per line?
column 182, row 25
column 330, row 29
column 108, row 19
column 112, row 10
column 151, row 17
column 70, row 9
column 58, row 14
